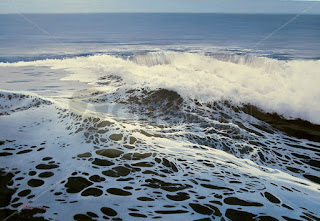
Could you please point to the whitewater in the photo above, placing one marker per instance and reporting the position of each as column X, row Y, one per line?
column 289, row 88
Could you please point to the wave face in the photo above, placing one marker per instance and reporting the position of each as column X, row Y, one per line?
column 162, row 135
column 289, row 88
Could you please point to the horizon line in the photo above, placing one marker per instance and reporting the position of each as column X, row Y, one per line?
column 248, row 13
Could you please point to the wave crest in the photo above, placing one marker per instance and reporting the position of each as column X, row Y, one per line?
column 289, row 88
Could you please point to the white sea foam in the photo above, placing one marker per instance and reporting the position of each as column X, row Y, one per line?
column 290, row 88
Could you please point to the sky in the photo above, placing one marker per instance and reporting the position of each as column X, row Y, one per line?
column 196, row 6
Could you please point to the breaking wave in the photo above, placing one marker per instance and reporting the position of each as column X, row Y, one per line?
column 288, row 88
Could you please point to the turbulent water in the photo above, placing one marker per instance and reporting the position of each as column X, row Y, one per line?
column 166, row 134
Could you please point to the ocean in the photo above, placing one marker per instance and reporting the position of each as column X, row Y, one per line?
column 159, row 116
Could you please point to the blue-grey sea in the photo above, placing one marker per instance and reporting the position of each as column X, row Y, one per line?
column 38, row 36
